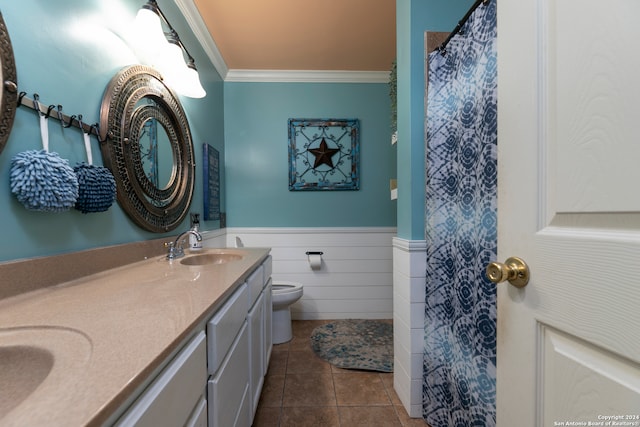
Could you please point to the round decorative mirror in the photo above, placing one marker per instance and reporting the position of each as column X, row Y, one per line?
column 9, row 79
column 147, row 145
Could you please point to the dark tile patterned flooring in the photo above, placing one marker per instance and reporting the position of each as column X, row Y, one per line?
column 302, row 390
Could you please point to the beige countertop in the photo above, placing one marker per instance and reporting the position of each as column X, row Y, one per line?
column 104, row 335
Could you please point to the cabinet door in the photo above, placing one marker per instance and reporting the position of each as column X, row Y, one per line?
column 173, row 395
column 255, row 320
column 228, row 389
column 268, row 324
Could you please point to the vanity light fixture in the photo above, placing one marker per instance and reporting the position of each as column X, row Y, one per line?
column 165, row 51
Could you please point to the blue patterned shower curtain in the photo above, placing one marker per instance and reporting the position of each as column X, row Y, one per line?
column 461, row 215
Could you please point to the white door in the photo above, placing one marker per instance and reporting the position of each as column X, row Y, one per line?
column 569, row 205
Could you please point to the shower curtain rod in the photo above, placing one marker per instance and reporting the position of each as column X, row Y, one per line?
column 443, row 47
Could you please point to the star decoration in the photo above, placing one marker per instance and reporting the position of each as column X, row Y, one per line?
column 323, row 154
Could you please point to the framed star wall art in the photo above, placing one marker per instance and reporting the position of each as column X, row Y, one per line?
column 324, row 154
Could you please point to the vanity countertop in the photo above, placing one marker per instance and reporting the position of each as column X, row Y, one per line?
column 105, row 334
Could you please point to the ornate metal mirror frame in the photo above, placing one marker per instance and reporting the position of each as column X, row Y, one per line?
column 9, row 79
column 135, row 96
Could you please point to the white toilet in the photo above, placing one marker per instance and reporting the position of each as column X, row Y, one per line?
column 283, row 294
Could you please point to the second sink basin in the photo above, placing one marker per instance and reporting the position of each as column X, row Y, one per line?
column 210, row 258
column 36, row 362
column 23, row 369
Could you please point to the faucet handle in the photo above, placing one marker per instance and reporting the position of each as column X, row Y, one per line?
column 173, row 252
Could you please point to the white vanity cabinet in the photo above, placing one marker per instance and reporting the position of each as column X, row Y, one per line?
column 215, row 380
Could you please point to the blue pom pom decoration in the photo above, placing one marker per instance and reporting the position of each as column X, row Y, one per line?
column 43, row 181
column 97, row 188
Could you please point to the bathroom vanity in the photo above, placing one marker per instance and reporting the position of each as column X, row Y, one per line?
column 154, row 343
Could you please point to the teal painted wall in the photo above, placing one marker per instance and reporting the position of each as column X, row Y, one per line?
column 413, row 18
column 67, row 53
column 256, row 159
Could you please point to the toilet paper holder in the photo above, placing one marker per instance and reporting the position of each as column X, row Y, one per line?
column 315, row 259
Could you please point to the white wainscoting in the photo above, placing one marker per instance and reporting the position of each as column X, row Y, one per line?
column 355, row 280
column 409, row 276
column 214, row 238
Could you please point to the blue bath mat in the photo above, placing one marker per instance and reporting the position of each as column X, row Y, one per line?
column 355, row 344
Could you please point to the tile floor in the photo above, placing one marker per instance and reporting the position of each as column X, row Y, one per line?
column 302, row 390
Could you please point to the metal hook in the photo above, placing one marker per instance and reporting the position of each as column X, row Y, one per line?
column 70, row 122
column 60, row 115
column 36, row 104
column 20, row 96
column 96, row 127
column 81, row 126
column 51, row 107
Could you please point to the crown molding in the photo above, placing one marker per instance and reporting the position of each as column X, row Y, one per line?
column 310, row 230
column 307, row 76
column 200, row 30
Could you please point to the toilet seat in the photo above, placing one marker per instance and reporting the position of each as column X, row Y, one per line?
column 279, row 288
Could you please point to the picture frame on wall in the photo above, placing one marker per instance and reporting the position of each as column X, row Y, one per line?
column 211, row 182
column 324, row 154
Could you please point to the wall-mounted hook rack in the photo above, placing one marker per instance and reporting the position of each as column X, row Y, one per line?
column 54, row 112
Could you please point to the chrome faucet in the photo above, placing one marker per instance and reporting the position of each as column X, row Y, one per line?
column 175, row 248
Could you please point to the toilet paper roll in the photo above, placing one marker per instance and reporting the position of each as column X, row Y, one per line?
column 315, row 261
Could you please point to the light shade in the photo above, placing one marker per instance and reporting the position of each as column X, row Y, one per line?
column 165, row 51
column 150, row 39
column 193, row 88
column 177, row 74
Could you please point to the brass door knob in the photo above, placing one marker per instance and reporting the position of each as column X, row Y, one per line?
column 515, row 270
